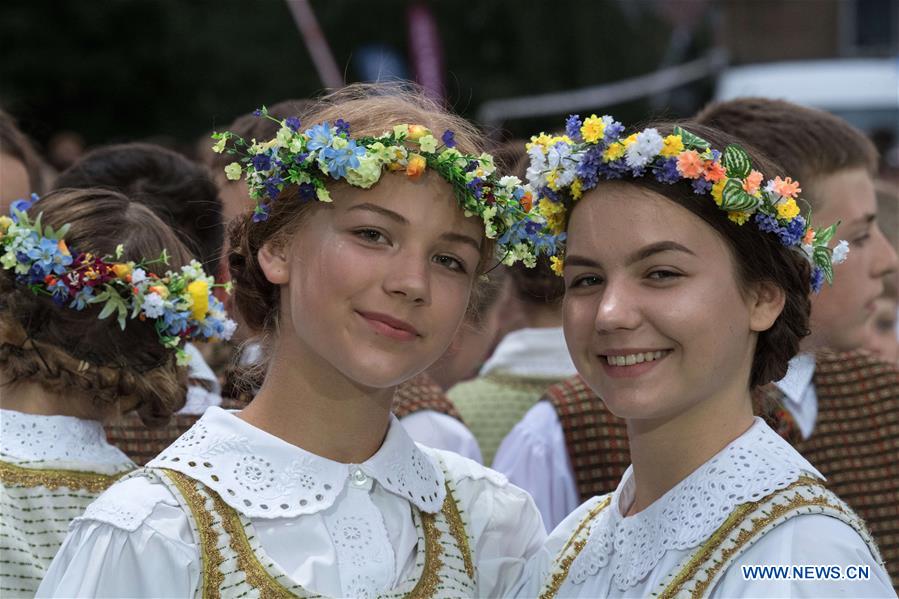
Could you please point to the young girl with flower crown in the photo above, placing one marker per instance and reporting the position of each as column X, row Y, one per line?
column 374, row 219
column 82, row 339
column 687, row 282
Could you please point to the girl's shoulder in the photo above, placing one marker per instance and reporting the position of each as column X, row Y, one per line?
column 459, row 469
column 130, row 502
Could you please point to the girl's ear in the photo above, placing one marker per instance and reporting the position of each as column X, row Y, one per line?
column 765, row 305
column 274, row 263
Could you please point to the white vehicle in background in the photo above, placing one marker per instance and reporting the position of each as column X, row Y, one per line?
column 863, row 91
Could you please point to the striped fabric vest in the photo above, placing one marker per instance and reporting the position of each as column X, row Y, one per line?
column 697, row 575
column 36, row 506
column 422, row 393
column 855, row 443
column 595, row 438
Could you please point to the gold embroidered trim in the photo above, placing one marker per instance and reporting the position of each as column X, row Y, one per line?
column 565, row 561
column 247, row 560
column 734, row 521
column 18, row 476
column 210, row 556
column 426, row 587
column 457, row 529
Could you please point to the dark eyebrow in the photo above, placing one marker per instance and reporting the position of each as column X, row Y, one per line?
column 655, row 248
column 382, row 211
column 395, row 216
column 459, row 238
column 641, row 254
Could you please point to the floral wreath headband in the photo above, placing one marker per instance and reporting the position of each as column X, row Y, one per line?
column 326, row 152
column 180, row 304
column 594, row 149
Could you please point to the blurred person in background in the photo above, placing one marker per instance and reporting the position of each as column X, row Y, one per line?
column 883, row 334
column 524, row 364
column 183, row 195
column 20, row 165
column 64, row 370
column 817, row 405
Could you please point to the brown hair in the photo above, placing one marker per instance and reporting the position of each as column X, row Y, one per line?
column 65, row 349
column 806, row 143
column 179, row 191
column 370, row 110
column 758, row 257
column 14, row 143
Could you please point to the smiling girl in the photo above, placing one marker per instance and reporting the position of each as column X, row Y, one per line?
column 687, row 282
column 357, row 267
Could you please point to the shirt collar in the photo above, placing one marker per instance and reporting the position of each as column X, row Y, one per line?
column 751, row 467
column 799, row 375
column 64, row 440
column 532, row 352
column 263, row 476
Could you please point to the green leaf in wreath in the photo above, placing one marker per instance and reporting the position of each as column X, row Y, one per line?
column 735, row 198
column 736, row 162
column 691, row 141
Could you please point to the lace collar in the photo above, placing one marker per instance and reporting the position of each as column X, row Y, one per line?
column 753, row 466
column 64, row 440
column 531, row 353
column 263, row 476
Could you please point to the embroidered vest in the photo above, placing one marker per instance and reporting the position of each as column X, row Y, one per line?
column 234, row 564
column 422, row 393
column 855, row 443
column 697, row 575
column 595, row 438
column 37, row 506
column 492, row 404
column 142, row 444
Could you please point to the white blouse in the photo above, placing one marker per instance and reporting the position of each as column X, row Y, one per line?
column 51, row 469
column 441, row 431
column 534, row 454
column 336, row 529
column 631, row 556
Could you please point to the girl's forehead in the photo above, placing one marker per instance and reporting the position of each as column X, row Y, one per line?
column 626, row 216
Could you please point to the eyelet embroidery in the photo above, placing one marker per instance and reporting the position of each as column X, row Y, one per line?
column 752, row 467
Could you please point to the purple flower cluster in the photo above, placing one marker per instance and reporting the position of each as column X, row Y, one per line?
column 449, row 139
column 701, row 186
column 667, row 172
column 573, row 127
column 293, row 123
column 789, row 235
column 817, row 279
column 588, row 169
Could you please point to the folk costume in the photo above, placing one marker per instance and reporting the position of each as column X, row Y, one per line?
column 230, row 509
column 523, row 365
column 51, row 468
column 755, row 503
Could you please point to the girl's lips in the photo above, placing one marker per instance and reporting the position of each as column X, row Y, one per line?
column 389, row 326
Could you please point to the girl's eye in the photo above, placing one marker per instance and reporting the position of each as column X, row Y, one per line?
column 370, row 235
column 450, row 263
column 585, row 281
column 661, row 275
column 860, row 241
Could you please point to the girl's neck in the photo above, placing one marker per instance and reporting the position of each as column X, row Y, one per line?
column 665, row 452
column 29, row 397
column 306, row 402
